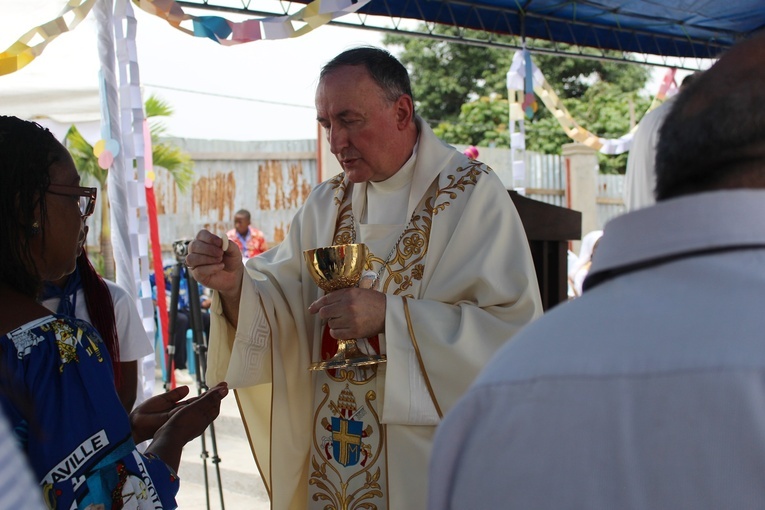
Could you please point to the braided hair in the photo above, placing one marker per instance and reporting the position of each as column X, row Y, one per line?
column 100, row 306
column 27, row 150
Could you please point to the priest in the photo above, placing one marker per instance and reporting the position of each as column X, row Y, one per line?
column 449, row 279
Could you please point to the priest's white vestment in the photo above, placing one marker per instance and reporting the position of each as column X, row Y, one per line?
column 459, row 283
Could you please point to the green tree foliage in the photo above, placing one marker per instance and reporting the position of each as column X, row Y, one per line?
column 461, row 92
column 164, row 155
column 447, row 75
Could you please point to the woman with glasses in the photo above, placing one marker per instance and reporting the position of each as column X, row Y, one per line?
column 56, row 378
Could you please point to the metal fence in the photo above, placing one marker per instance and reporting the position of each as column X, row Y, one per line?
column 273, row 179
column 546, row 180
column 269, row 179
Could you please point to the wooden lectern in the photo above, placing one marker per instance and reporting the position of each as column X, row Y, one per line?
column 549, row 228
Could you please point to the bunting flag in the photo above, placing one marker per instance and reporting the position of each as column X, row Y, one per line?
column 229, row 33
column 520, row 84
column 24, row 51
column 522, row 68
column 530, row 105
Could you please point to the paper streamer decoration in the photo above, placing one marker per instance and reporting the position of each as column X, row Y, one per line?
column 107, row 148
column 523, row 68
column 517, row 81
column 229, row 33
column 530, row 105
column 156, row 247
column 123, row 140
column 20, row 53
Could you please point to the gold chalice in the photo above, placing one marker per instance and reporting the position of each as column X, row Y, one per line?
column 333, row 268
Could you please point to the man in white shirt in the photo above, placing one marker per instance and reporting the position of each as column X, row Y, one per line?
column 648, row 392
column 640, row 178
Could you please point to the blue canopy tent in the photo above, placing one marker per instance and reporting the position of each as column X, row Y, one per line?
column 689, row 28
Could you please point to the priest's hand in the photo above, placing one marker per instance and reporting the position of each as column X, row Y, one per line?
column 217, row 264
column 352, row 313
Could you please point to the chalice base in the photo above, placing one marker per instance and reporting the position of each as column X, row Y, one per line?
column 348, row 355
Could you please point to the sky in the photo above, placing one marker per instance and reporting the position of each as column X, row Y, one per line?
column 262, row 90
column 269, row 85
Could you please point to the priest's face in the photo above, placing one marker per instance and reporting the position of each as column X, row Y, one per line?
column 368, row 134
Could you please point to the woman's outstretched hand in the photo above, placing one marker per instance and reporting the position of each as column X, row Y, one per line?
column 178, row 421
column 150, row 415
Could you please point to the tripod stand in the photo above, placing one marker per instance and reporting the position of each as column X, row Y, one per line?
column 199, row 352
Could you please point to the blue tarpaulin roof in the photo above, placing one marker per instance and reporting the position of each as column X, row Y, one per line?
column 681, row 28
column 686, row 28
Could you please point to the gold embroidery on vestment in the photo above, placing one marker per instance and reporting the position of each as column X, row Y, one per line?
column 406, row 265
column 327, row 479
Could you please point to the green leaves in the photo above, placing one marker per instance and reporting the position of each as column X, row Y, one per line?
column 164, row 155
column 460, row 90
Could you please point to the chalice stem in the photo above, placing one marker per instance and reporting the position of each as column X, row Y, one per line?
column 348, row 349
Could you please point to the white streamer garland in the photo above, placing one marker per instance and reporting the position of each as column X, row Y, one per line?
column 543, row 90
column 125, row 181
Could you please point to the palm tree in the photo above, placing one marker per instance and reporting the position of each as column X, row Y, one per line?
column 164, row 155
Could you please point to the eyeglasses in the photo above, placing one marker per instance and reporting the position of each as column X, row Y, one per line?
column 85, row 196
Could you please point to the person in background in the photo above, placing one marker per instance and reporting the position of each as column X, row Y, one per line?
column 56, row 382
column 249, row 239
column 110, row 309
column 640, row 177
column 579, row 269
column 648, row 392
column 451, row 279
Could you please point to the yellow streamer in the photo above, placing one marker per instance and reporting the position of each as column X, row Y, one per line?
column 573, row 130
column 20, row 53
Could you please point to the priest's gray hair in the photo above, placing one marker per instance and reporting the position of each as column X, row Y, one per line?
column 389, row 74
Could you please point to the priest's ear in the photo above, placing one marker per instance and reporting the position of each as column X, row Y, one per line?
column 404, row 108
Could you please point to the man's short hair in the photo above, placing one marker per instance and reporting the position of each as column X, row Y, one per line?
column 389, row 74
column 243, row 212
column 690, row 79
column 714, row 135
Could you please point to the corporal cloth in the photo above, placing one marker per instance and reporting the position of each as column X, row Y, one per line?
column 459, row 284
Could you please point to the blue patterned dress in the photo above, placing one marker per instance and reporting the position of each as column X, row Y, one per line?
column 75, row 431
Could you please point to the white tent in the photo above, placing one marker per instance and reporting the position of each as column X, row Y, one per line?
column 60, row 87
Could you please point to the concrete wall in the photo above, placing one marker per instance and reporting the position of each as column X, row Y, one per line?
column 270, row 179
